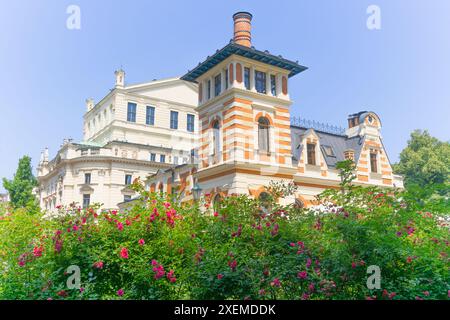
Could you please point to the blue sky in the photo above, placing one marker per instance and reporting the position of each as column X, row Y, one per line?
column 402, row 72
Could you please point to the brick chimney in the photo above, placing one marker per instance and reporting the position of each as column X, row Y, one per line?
column 242, row 28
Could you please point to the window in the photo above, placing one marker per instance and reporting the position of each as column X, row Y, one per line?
column 247, row 78
column 173, row 120
column 299, row 204
column 127, row 179
column 153, row 157
column 217, row 85
column 150, row 116
column 126, row 198
column 208, row 93
column 373, row 162
column 217, row 202
column 226, row 79
column 263, row 134
column 162, row 158
column 131, row 114
column 175, row 160
column 190, row 122
column 86, row 200
column 311, row 150
column 328, row 151
column 273, row 85
column 87, row 178
column 260, row 81
column 216, row 138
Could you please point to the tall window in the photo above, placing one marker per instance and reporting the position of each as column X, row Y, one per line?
column 208, row 93
column 217, row 85
column 173, row 120
column 175, row 160
column 373, row 162
column 127, row 179
column 226, row 78
column 273, row 85
column 311, row 150
column 150, row 116
column 131, row 114
column 162, row 158
column 153, row 157
column 87, row 178
column 260, row 81
column 216, row 138
column 247, row 78
column 263, row 134
column 86, row 200
column 190, row 122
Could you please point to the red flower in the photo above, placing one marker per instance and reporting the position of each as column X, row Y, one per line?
column 124, row 253
column 308, row 262
column 128, row 222
column 302, row 274
column 62, row 293
column 353, row 265
column 292, row 244
column 37, row 251
column 120, row 226
column 98, row 265
column 114, row 212
column 427, row 293
column 262, row 292
column 276, row 283
column 120, row 292
column 220, row 276
column 232, row 264
column 141, row 242
column 216, row 214
column 75, row 227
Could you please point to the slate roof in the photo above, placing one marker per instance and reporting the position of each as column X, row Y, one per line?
column 338, row 143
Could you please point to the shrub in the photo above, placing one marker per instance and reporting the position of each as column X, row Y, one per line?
column 160, row 249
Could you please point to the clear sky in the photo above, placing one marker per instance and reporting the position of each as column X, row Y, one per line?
column 402, row 71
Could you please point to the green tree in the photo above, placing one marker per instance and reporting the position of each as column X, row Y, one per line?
column 20, row 188
column 425, row 160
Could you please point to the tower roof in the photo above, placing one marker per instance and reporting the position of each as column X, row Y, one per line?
column 247, row 52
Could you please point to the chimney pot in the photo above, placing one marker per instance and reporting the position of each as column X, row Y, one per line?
column 242, row 28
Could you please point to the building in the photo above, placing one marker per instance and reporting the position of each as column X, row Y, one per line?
column 131, row 133
column 4, row 197
column 223, row 128
column 247, row 136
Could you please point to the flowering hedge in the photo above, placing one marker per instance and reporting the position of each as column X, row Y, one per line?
column 160, row 249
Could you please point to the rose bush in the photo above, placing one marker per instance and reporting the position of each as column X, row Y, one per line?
column 160, row 249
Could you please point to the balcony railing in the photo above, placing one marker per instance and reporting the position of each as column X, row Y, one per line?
column 319, row 126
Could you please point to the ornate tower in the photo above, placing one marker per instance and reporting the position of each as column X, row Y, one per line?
column 244, row 116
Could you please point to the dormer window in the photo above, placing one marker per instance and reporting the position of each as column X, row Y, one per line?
column 260, row 82
column 328, row 151
column 373, row 162
column 311, row 153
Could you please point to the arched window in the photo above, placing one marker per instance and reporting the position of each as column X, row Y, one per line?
column 263, row 134
column 216, row 138
column 264, row 200
column 161, row 188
